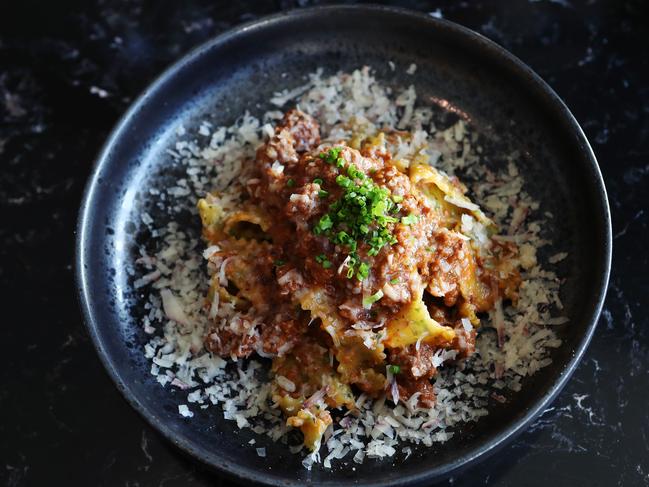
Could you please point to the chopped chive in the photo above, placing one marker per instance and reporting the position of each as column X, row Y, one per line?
column 394, row 281
column 279, row 262
column 330, row 156
column 369, row 300
column 363, row 271
column 324, row 224
column 317, row 181
column 362, row 215
column 409, row 220
column 394, row 369
column 323, row 261
column 290, row 183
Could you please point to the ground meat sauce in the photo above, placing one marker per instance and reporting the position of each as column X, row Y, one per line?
column 295, row 183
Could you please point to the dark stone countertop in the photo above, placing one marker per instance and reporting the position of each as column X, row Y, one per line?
column 68, row 69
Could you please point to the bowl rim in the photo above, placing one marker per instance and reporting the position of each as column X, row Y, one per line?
column 518, row 69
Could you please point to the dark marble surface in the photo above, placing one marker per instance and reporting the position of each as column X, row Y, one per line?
column 68, row 69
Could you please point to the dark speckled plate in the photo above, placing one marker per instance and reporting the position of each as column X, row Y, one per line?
column 504, row 102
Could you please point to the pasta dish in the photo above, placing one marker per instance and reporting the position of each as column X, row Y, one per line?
column 355, row 271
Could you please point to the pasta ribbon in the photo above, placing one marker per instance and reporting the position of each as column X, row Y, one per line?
column 246, row 221
column 446, row 194
column 412, row 323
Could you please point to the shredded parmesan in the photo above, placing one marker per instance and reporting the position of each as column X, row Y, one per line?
column 173, row 308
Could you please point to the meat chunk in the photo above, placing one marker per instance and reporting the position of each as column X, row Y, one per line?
column 408, row 387
column 281, row 336
column 414, row 363
column 297, row 133
column 303, row 128
column 464, row 341
column 242, row 337
column 449, row 266
column 239, row 338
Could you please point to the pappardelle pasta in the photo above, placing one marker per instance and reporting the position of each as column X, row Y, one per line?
column 355, row 271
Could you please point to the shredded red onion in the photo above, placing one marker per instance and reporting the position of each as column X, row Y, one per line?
column 498, row 397
column 180, row 384
column 346, row 422
column 316, row 397
column 499, row 369
column 394, row 391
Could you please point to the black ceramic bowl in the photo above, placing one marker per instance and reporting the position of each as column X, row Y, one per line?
column 509, row 106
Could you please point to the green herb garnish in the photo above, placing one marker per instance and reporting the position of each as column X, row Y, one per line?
column 409, row 220
column 394, row 369
column 324, row 224
column 290, row 183
column 363, row 271
column 362, row 214
column 323, row 261
column 331, row 155
column 370, row 300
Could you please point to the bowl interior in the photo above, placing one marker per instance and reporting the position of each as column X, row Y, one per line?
column 463, row 75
